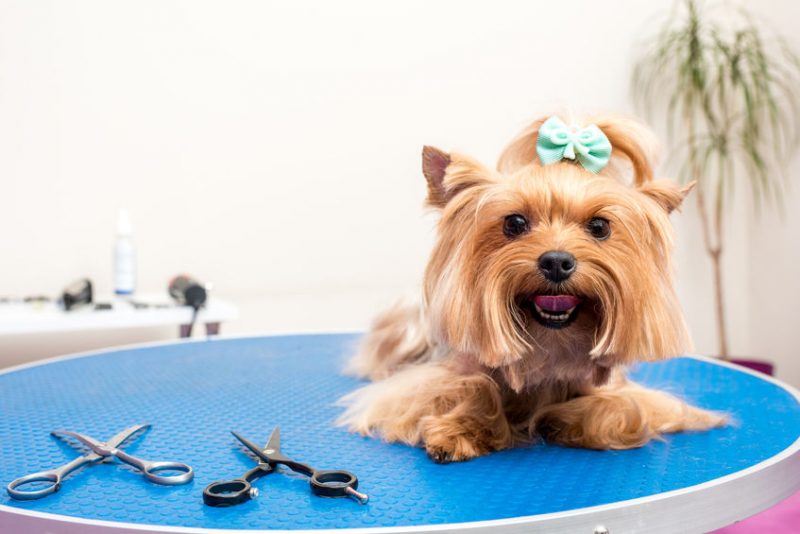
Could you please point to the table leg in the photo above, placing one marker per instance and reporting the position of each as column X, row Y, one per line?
column 212, row 329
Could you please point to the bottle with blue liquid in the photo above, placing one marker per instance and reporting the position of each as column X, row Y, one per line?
column 124, row 256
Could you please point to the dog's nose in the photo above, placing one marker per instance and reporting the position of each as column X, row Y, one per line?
column 557, row 265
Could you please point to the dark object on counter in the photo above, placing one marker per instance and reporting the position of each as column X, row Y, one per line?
column 36, row 299
column 187, row 291
column 77, row 294
column 148, row 305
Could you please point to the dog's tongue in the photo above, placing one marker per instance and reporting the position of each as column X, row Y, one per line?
column 556, row 303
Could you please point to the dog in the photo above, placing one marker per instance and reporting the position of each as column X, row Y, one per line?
column 549, row 275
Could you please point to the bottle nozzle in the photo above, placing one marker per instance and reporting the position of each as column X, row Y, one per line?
column 124, row 226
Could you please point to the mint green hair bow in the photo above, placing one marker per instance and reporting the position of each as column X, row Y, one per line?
column 557, row 141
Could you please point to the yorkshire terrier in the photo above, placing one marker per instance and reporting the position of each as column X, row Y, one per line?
column 548, row 277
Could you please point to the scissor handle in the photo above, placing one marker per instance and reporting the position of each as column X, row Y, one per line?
column 183, row 473
column 232, row 492
column 228, row 492
column 29, row 495
column 53, row 476
column 327, row 483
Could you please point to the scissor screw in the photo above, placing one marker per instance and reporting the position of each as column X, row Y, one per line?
column 253, row 493
column 357, row 495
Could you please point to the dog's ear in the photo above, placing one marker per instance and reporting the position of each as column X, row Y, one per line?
column 434, row 167
column 667, row 194
column 449, row 174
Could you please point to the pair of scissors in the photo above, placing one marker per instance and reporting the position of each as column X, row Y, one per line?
column 325, row 483
column 98, row 452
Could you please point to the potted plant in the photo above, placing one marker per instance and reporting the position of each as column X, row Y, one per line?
column 729, row 97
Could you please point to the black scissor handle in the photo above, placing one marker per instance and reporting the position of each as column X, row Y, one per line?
column 233, row 492
column 336, row 484
column 227, row 492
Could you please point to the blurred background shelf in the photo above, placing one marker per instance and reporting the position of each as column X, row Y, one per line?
column 30, row 318
column 49, row 317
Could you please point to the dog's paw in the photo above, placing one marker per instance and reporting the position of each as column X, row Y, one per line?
column 439, row 456
column 699, row 419
column 444, row 449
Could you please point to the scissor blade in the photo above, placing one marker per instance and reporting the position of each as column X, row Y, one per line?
column 115, row 442
column 93, row 444
column 274, row 442
column 123, row 436
column 255, row 449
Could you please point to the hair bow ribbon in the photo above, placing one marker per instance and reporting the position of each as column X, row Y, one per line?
column 557, row 141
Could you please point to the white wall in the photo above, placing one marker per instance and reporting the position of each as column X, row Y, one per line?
column 273, row 147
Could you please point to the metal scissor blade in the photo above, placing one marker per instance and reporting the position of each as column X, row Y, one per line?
column 93, row 444
column 255, row 449
column 274, row 442
column 123, row 436
column 117, row 440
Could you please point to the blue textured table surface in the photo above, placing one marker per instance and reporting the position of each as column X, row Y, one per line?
column 195, row 393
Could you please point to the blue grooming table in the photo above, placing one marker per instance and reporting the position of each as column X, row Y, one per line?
column 195, row 392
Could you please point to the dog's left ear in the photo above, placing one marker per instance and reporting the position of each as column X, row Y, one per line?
column 449, row 174
column 434, row 167
column 669, row 195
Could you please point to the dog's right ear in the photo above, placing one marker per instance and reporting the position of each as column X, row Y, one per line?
column 669, row 195
column 449, row 174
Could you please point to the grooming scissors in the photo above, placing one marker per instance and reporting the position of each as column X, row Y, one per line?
column 99, row 452
column 325, row 483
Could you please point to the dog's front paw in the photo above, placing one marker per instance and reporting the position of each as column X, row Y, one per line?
column 452, row 452
column 440, row 456
column 444, row 448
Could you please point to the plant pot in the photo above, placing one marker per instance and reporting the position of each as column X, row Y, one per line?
column 762, row 366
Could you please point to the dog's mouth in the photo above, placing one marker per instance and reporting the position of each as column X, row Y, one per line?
column 552, row 311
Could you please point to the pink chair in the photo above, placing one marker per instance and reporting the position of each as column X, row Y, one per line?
column 783, row 518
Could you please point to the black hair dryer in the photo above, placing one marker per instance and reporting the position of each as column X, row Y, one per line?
column 187, row 291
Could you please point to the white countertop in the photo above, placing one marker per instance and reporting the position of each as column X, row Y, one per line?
column 43, row 317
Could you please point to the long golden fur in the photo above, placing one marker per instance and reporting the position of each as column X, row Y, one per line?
column 474, row 368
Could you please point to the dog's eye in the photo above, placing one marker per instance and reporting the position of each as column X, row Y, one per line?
column 599, row 228
column 515, row 225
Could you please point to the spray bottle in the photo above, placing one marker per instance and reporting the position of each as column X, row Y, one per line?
column 124, row 256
